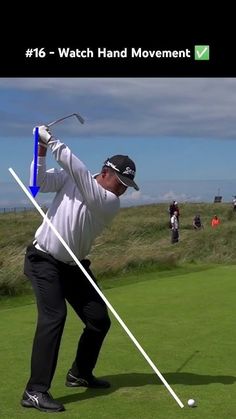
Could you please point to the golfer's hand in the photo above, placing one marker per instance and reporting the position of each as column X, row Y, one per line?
column 44, row 134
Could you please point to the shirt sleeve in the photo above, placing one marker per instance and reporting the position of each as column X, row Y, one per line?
column 48, row 180
column 96, row 197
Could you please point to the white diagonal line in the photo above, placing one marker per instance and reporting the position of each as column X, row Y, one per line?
column 96, row 288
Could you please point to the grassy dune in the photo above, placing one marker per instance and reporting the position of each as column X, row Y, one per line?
column 138, row 240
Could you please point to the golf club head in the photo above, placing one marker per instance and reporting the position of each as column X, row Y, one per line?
column 80, row 119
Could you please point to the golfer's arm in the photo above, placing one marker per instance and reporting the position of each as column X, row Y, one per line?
column 49, row 181
column 76, row 169
column 42, row 151
column 94, row 195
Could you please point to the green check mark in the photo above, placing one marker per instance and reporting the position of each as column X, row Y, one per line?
column 201, row 52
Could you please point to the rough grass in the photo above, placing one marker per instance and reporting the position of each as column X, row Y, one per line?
column 137, row 240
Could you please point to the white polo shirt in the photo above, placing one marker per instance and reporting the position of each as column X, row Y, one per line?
column 174, row 222
column 81, row 208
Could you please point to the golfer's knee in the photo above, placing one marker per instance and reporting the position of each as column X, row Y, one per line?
column 101, row 325
column 106, row 324
column 53, row 317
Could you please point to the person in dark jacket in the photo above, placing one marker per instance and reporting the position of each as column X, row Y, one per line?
column 197, row 223
column 174, row 208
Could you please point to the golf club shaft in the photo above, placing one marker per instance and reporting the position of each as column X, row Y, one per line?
column 97, row 288
column 80, row 119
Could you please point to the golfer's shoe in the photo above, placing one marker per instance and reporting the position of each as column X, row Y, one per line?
column 41, row 401
column 92, row 382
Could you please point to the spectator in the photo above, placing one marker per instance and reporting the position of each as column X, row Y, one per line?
column 197, row 223
column 174, row 207
column 174, row 228
column 215, row 221
column 234, row 204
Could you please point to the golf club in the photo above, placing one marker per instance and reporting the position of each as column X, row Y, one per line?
column 79, row 118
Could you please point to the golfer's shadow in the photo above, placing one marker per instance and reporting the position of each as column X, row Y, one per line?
column 140, row 379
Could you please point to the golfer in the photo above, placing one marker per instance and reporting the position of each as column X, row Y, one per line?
column 83, row 206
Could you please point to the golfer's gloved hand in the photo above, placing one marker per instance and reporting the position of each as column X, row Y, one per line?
column 44, row 134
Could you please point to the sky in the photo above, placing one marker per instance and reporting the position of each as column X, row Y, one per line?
column 181, row 133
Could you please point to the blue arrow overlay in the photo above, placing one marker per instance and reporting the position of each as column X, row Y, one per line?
column 34, row 188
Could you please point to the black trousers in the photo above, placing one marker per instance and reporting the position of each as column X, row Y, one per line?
column 54, row 283
column 174, row 236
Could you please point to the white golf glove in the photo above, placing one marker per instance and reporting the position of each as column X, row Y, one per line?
column 44, row 134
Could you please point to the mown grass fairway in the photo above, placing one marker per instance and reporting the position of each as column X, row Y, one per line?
column 186, row 324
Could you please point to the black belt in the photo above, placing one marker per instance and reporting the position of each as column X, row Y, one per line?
column 38, row 247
